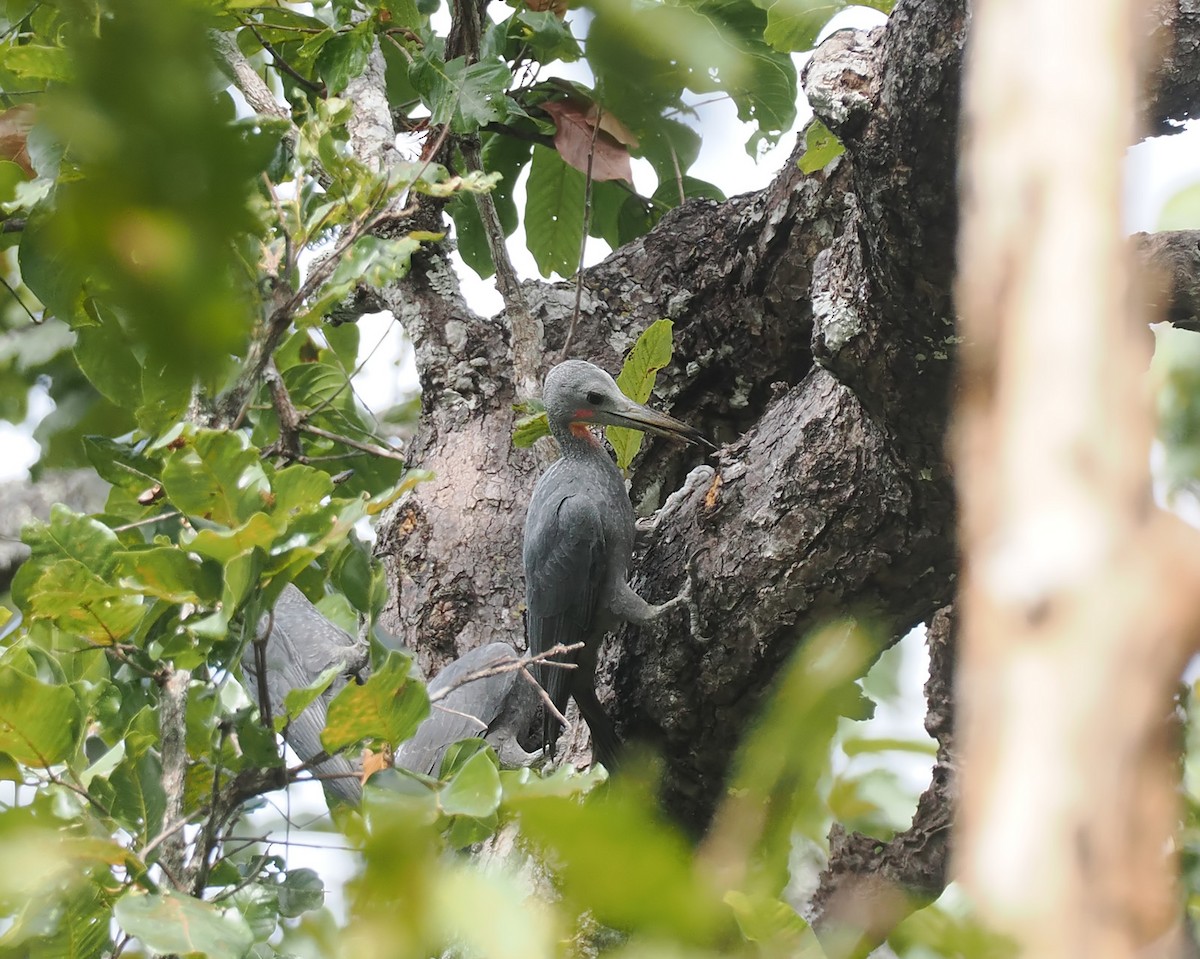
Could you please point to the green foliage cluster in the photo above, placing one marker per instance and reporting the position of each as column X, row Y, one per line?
column 162, row 288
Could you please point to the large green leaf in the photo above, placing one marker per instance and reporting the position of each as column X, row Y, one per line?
column 795, row 24
column 216, row 475
column 465, row 95
column 554, row 208
column 173, row 923
column 651, row 353
column 388, row 707
column 474, row 790
column 107, row 358
column 40, row 723
column 774, row 784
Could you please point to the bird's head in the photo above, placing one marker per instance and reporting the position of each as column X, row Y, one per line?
column 578, row 394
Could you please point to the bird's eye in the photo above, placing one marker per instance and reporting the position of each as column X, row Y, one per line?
column 595, row 398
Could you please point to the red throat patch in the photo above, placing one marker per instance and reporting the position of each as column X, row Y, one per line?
column 583, row 431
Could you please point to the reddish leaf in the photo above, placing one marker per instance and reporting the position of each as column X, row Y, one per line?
column 15, row 125
column 576, row 136
column 559, row 7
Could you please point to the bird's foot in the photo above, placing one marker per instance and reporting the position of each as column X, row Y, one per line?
column 699, row 478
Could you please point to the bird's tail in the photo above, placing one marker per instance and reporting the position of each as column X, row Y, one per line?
column 606, row 744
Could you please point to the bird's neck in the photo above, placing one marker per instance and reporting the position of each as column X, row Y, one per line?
column 577, row 441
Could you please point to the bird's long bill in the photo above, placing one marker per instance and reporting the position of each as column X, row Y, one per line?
column 651, row 421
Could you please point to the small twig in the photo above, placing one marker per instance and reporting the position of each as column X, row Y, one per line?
column 474, row 720
column 260, row 672
column 167, row 833
column 20, row 302
column 371, row 448
column 157, row 517
column 526, row 331
column 509, row 666
column 13, row 224
column 282, row 65
column 587, row 223
column 545, row 697
column 265, row 838
column 678, row 172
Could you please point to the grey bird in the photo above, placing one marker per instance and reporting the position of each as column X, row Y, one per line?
column 300, row 645
column 497, row 706
column 579, row 540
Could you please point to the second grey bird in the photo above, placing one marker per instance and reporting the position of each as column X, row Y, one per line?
column 497, row 708
column 579, row 540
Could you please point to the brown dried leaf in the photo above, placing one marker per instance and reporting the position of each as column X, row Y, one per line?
column 373, row 762
column 613, row 127
column 576, row 136
column 15, row 125
column 559, row 7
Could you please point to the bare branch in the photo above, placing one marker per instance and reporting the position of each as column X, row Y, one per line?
column 508, row 666
column 372, row 448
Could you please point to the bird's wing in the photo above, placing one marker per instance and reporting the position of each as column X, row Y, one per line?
column 566, row 565
column 466, row 711
column 301, row 645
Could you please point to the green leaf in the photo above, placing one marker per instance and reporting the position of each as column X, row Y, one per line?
column 299, row 699
column 40, row 723
column 301, row 891
column 173, row 923
column 769, row 920
column 794, row 25
column 469, row 232
column 529, row 429
column 621, row 860
column 651, row 353
column 388, row 707
column 136, row 797
column 467, row 96
column 107, row 358
column 820, row 147
column 371, row 259
column 554, row 213
column 216, row 476
column 474, row 790
column 547, row 37
column 10, row 175
column 299, row 489
column 166, row 572
column 33, row 61
column 344, row 56
column 667, row 193
column 506, row 156
column 55, row 276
